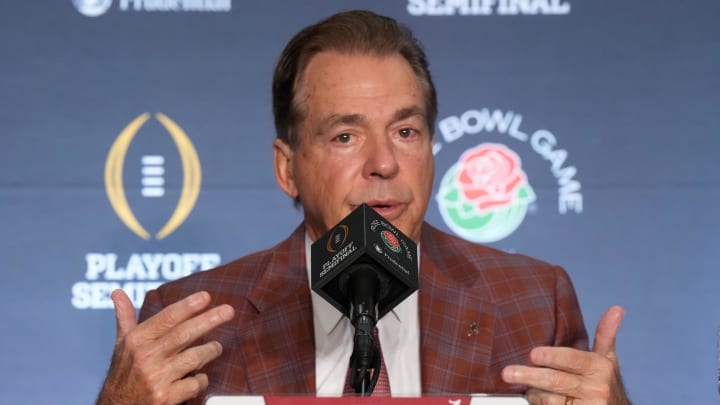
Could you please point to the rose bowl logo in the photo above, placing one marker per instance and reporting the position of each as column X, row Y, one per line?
column 485, row 195
column 390, row 241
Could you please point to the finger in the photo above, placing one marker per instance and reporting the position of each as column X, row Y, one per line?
column 563, row 358
column 159, row 324
column 195, row 358
column 545, row 379
column 124, row 313
column 540, row 397
column 184, row 334
column 187, row 388
column 607, row 330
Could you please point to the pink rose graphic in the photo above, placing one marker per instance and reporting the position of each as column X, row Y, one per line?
column 490, row 176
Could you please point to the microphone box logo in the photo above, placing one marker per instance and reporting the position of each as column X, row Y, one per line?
column 359, row 239
column 390, row 241
column 337, row 238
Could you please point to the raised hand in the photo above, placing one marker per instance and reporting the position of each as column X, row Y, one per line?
column 154, row 362
column 567, row 376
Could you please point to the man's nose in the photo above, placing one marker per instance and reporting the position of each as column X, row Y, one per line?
column 381, row 160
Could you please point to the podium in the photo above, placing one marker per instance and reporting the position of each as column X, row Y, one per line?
column 429, row 400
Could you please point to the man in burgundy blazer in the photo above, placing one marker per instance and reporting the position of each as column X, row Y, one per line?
column 355, row 110
column 517, row 303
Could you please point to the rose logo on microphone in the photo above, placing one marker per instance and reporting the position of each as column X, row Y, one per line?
column 390, row 241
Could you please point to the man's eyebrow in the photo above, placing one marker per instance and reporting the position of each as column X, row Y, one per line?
column 337, row 119
column 407, row 112
column 359, row 119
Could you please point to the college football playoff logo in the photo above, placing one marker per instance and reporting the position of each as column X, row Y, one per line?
column 115, row 189
column 338, row 238
column 485, row 195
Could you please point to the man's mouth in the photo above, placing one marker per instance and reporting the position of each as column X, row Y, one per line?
column 380, row 204
column 388, row 209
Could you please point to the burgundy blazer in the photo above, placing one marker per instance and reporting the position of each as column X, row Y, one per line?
column 515, row 303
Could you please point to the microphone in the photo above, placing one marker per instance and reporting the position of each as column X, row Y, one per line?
column 364, row 267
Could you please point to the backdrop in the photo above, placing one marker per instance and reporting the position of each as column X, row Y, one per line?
column 136, row 148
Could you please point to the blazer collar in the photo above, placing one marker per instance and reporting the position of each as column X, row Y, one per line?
column 284, row 316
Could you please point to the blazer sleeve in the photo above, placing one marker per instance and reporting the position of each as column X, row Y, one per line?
column 569, row 325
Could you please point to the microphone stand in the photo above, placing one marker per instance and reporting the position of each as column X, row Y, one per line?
column 363, row 283
column 365, row 356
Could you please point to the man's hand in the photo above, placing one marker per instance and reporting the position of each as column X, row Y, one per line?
column 153, row 362
column 561, row 375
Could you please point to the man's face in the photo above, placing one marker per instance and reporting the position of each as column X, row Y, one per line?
column 364, row 139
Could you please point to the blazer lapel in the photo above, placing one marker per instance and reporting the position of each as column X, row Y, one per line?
column 456, row 323
column 278, row 341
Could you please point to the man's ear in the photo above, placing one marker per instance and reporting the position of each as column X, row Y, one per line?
column 283, row 161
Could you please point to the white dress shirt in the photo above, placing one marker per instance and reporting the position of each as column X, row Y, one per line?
column 399, row 334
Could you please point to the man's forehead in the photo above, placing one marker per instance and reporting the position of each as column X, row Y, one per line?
column 316, row 69
column 321, row 80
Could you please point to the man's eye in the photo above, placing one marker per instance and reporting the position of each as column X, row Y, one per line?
column 406, row 132
column 343, row 138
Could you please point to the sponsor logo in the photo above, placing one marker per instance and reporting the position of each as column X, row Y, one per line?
column 390, row 241
column 378, row 248
column 485, row 196
column 338, row 238
column 92, row 8
column 487, row 7
column 138, row 273
column 152, row 181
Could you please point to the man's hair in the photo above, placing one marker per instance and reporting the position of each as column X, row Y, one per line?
column 359, row 31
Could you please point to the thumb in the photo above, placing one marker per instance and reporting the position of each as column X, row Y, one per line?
column 607, row 330
column 124, row 313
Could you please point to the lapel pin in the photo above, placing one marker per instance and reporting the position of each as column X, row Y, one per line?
column 474, row 330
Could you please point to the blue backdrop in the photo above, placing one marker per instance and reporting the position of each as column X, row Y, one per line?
column 136, row 147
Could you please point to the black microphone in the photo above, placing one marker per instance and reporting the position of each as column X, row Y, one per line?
column 364, row 267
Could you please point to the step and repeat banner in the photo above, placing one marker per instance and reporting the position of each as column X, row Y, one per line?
column 136, row 139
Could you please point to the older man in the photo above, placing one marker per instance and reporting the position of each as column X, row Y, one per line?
column 355, row 109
